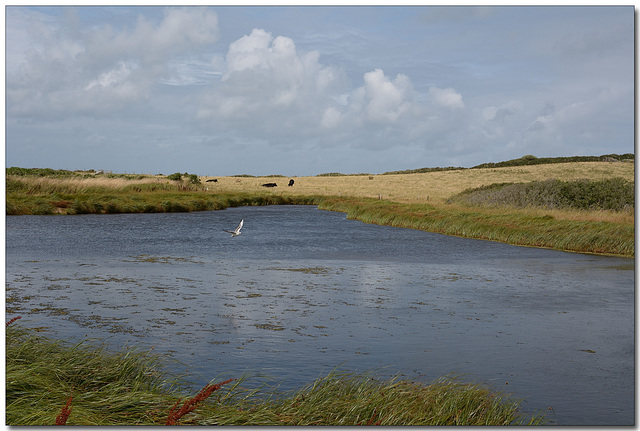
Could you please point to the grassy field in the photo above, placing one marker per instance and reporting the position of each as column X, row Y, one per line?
column 50, row 382
column 414, row 188
column 416, row 200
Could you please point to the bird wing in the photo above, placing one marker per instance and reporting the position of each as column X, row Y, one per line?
column 240, row 225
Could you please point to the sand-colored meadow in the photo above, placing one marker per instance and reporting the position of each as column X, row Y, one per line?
column 436, row 187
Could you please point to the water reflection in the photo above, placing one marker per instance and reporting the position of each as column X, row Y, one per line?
column 303, row 291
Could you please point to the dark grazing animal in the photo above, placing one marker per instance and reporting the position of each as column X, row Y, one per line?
column 269, row 185
column 290, row 183
column 212, row 181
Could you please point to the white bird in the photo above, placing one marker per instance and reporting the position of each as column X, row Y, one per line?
column 237, row 231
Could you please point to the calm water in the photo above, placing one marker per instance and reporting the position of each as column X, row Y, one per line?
column 303, row 291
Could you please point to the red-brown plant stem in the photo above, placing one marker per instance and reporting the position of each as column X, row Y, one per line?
column 13, row 320
column 61, row 419
column 190, row 405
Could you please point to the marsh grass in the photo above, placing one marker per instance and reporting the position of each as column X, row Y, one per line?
column 107, row 389
column 418, row 201
column 512, row 227
column 49, row 381
column 347, row 399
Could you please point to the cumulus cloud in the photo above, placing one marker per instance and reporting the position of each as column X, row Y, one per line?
column 387, row 100
column 267, row 76
column 446, row 97
column 70, row 70
column 275, row 90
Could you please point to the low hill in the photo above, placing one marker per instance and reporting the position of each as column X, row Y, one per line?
column 526, row 161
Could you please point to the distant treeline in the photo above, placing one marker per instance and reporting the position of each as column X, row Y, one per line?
column 522, row 161
column 338, row 174
column 526, row 160
column 423, row 170
column 533, row 160
column 615, row 194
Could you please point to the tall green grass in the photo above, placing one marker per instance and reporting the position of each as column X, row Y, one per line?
column 49, row 381
column 509, row 226
column 107, row 389
column 347, row 399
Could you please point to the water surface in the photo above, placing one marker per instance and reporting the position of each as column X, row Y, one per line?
column 303, row 291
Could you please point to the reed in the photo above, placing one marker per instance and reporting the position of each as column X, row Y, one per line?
column 129, row 388
column 191, row 404
column 417, row 200
column 65, row 412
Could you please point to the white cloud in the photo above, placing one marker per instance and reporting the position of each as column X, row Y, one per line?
column 289, row 95
column 268, row 80
column 386, row 100
column 446, row 97
column 341, row 81
column 112, row 77
column 71, row 70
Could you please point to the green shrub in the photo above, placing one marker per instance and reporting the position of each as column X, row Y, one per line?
column 40, row 172
column 175, row 177
column 615, row 194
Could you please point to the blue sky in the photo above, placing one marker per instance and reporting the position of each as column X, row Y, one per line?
column 307, row 90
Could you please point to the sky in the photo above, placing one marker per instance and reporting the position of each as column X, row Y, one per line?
column 301, row 91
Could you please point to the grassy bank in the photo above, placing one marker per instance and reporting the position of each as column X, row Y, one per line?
column 418, row 200
column 48, row 196
column 512, row 227
column 50, row 381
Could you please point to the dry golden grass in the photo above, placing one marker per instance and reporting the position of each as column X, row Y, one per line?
column 437, row 187
column 80, row 185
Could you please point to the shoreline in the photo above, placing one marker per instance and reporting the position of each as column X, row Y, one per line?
column 414, row 200
column 510, row 227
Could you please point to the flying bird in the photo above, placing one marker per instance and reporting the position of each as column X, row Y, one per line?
column 237, row 231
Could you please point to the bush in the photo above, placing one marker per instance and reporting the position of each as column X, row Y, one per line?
column 175, row 177
column 614, row 194
column 40, row 172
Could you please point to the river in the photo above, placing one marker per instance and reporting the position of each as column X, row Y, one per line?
column 303, row 291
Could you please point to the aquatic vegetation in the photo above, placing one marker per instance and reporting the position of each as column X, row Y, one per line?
column 319, row 270
column 128, row 388
column 162, row 259
column 269, row 326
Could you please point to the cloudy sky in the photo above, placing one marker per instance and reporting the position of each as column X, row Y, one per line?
column 309, row 90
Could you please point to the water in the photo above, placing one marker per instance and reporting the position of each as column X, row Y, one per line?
column 303, row 291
